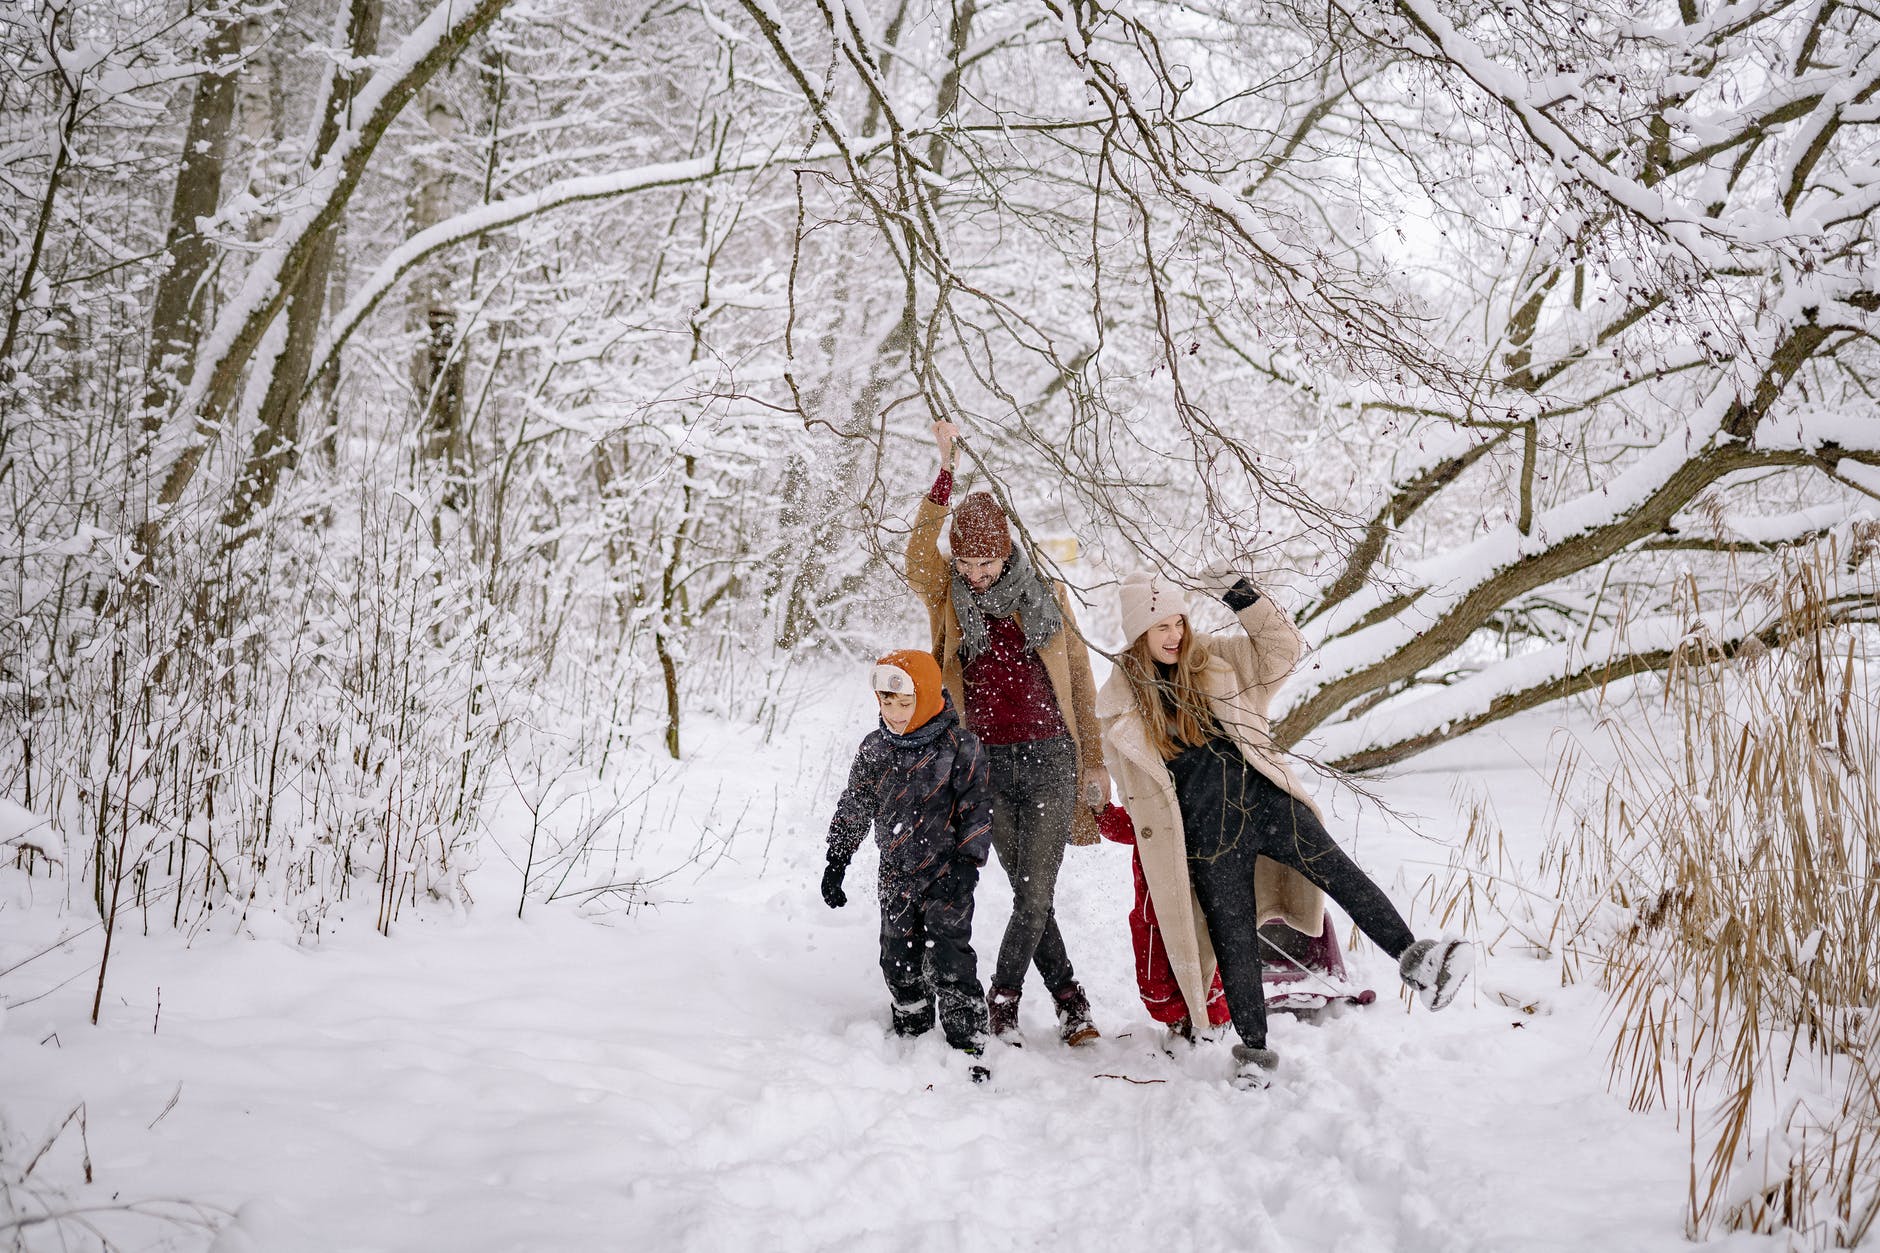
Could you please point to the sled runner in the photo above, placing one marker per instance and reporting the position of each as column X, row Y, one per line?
column 1304, row 974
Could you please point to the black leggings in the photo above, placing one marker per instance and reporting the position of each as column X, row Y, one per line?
column 1233, row 814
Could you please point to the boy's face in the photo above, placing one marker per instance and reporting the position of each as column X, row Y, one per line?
column 897, row 709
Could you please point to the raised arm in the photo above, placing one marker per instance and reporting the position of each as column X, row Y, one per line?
column 927, row 571
column 1273, row 645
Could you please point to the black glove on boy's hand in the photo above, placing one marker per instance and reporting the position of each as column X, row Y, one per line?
column 833, row 895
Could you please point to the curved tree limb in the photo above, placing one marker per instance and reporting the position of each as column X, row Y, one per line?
column 1540, row 678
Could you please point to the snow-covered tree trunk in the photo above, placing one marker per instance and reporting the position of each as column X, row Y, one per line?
column 437, row 367
column 302, row 239
column 183, row 286
column 276, row 445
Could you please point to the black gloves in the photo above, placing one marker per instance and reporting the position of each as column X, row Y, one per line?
column 1240, row 595
column 833, row 895
column 1229, row 584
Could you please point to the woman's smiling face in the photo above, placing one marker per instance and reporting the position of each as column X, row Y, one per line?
column 1165, row 639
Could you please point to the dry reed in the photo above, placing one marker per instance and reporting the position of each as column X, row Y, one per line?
column 1734, row 829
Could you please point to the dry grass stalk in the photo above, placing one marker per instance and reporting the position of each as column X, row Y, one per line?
column 1713, row 867
column 1735, row 829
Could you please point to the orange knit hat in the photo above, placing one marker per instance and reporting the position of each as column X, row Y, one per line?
column 923, row 672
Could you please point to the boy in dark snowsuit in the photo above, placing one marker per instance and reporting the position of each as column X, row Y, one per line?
column 921, row 780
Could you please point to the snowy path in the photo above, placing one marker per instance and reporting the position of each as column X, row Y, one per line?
column 713, row 1073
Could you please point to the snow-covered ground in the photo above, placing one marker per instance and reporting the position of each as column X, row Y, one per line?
column 713, row 1071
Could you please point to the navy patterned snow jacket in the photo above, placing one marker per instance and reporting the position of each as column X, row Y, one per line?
column 928, row 796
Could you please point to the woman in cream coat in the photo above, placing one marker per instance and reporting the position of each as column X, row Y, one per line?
column 1227, row 836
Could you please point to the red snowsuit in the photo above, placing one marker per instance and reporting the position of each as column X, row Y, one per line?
column 1155, row 978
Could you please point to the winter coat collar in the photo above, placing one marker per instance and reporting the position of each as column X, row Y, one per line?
column 1115, row 698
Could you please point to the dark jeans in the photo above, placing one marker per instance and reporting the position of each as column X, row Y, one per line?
column 1034, row 798
column 1232, row 814
column 927, row 949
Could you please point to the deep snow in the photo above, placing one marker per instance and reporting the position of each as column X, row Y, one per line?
column 713, row 1071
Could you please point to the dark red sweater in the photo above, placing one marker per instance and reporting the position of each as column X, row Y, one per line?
column 1008, row 691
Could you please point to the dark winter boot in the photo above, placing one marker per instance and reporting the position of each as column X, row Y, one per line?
column 913, row 1017
column 1073, row 1015
column 1253, row 1068
column 1002, row 1014
column 1435, row 969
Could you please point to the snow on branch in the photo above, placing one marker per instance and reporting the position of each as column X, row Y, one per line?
column 1812, row 428
column 238, row 333
column 1438, row 463
column 1387, row 635
column 1734, row 531
column 1420, row 719
column 508, row 212
column 1689, row 226
column 1450, row 576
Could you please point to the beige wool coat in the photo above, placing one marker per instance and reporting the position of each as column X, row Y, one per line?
column 1066, row 660
column 1241, row 675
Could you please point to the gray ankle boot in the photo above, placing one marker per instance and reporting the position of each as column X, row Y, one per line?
column 1254, row 1067
column 1435, row 969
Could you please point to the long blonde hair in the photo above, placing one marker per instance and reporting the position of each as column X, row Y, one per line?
column 1174, row 710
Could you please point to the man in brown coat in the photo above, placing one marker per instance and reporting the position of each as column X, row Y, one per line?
column 1013, row 660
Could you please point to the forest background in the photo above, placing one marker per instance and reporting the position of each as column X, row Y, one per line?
column 403, row 404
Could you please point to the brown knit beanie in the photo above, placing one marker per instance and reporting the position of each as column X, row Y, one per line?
column 979, row 529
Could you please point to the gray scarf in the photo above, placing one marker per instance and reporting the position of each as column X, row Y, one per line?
column 1019, row 591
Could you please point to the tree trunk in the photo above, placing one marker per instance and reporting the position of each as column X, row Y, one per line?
column 176, row 312
column 276, row 446
column 437, row 367
column 439, row 37
column 672, row 610
column 29, row 272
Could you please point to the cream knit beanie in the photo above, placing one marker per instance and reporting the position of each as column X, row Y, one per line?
column 1146, row 599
